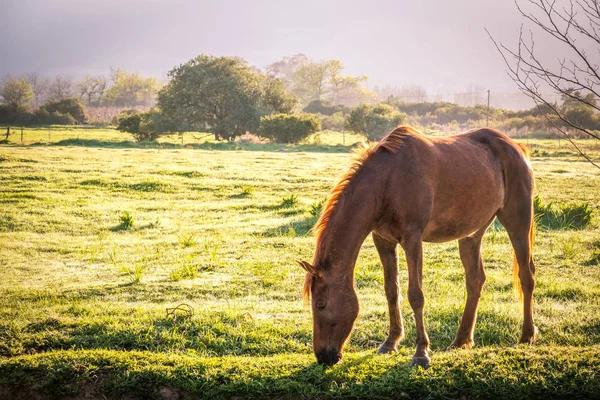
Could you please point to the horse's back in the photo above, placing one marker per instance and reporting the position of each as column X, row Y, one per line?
column 453, row 186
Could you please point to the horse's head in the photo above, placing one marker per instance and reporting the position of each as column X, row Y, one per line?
column 334, row 310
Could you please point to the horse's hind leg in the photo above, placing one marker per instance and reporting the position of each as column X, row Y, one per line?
column 470, row 254
column 389, row 258
column 519, row 226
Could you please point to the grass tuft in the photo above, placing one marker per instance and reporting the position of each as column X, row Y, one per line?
column 126, row 220
column 289, row 201
column 562, row 217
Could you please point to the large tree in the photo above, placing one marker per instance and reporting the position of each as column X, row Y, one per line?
column 222, row 95
column 16, row 92
column 573, row 27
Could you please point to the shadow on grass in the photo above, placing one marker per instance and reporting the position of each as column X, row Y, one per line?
column 302, row 227
column 219, row 146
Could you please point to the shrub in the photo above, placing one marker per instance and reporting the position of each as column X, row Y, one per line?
column 70, row 106
column 334, row 122
column 288, row 128
column 147, row 126
column 44, row 117
column 374, row 122
column 565, row 216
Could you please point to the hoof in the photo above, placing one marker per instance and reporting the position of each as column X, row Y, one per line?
column 529, row 338
column 461, row 345
column 387, row 349
column 422, row 362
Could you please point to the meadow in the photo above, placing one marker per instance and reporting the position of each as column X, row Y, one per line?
column 168, row 271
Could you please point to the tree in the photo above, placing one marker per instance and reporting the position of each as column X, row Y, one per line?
column 275, row 96
column 574, row 29
column 130, row 89
column 70, row 106
column 221, row 95
column 323, row 80
column 17, row 93
column 286, row 68
column 40, row 85
column 60, row 88
column 91, row 89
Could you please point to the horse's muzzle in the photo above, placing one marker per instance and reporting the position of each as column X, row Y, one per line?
column 328, row 356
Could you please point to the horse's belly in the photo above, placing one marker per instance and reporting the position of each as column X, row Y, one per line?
column 464, row 207
column 442, row 230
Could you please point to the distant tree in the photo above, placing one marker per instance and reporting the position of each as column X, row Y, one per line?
column 341, row 84
column 288, row 128
column 285, row 68
column 222, row 95
column 323, row 80
column 130, row 89
column 572, row 27
column 40, row 85
column 275, row 96
column 91, row 89
column 407, row 93
column 16, row 93
column 310, row 81
column 61, row 87
column 70, row 106
column 374, row 122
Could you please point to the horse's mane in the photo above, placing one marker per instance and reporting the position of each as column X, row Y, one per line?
column 391, row 142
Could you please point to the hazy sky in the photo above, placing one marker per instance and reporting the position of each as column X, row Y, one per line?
column 430, row 42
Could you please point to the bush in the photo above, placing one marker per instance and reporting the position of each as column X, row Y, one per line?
column 374, row 122
column 71, row 106
column 565, row 216
column 43, row 117
column 288, row 128
column 146, row 126
column 334, row 122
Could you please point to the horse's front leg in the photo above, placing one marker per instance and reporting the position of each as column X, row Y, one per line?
column 413, row 247
column 389, row 258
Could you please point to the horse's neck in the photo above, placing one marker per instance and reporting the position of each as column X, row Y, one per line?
column 340, row 242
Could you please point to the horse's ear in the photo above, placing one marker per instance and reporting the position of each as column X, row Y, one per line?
column 308, row 268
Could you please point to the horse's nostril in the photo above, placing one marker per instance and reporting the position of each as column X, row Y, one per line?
column 328, row 356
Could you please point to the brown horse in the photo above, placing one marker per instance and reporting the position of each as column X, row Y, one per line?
column 408, row 189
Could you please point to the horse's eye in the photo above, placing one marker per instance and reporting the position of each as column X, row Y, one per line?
column 321, row 307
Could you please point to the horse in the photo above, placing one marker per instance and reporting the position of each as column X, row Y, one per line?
column 409, row 189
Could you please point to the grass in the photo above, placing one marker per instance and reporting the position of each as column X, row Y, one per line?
column 83, row 306
column 564, row 216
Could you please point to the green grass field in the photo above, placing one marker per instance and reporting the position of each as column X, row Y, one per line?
column 100, row 237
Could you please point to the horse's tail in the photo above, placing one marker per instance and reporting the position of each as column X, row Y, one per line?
column 516, row 279
column 526, row 150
